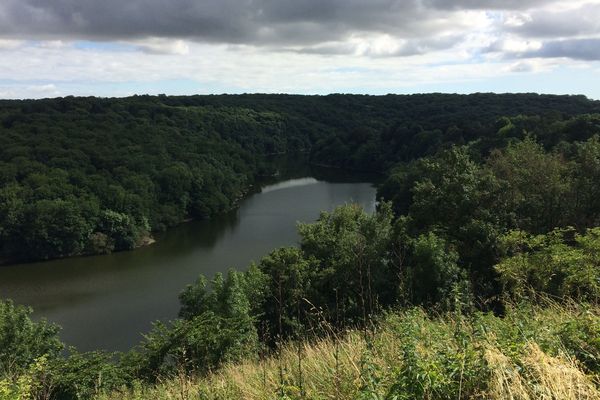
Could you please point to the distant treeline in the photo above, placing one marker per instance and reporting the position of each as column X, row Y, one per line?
column 93, row 175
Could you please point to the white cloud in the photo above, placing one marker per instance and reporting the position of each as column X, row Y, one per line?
column 515, row 45
column 45, row 90
column 163, row 46
column 9, row 44
column 517, row 19
column 52, row 44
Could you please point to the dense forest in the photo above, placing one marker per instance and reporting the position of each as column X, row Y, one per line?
column 477, row 277
column 92, row 175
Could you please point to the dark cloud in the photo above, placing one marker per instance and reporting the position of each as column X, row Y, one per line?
column 302, row 26
column 235, row 21
column 230, row 21
column 584, row 20
column 578, row 49
column 484, row 4
column 338, row 48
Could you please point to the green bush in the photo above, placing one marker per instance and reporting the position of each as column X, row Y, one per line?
column 562, row 263
column 23, row 341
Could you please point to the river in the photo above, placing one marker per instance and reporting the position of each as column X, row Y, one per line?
column 108, row 301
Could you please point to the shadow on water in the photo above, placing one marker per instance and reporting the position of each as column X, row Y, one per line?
column 293, row 166
column 192, row 235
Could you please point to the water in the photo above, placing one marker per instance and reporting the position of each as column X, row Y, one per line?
column 107, row 302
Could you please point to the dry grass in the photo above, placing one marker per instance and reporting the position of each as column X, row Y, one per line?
column 540, row 377
column 557, row 377
column 371, row 366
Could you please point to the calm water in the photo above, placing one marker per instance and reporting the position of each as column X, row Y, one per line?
column 106, row 302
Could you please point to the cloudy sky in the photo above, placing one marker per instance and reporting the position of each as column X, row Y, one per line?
column 54, row 48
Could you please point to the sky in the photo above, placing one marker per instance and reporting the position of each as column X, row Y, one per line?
column 51, row 48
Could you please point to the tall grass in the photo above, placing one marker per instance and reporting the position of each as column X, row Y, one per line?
column 532, row 352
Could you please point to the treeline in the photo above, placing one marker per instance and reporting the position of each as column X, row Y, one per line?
column 92, row 175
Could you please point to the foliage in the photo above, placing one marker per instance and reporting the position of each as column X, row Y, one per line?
column 531, row 352
column 31, row 383
column 93, row 175
column 562, row 263
column 536, row 185
column 352, row 275
column 483, row 190
column 84, row 375
column 432, row 273
column 22, row 341
column 85, row 175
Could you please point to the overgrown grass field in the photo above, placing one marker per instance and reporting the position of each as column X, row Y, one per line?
column 532, row 352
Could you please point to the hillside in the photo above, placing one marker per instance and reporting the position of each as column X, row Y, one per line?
column 93, row 175
column 478, row 275
column 531, row 353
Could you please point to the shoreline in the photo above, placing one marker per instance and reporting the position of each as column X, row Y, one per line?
column 149, row 239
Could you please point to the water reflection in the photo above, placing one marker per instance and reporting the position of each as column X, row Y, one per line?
column 289, row 184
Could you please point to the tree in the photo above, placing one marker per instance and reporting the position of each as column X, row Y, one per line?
column 536, row 185
column 460, row 202
column 23, row 341
column 351, row 253
column 11, row 216
column 585, row 196
column 288, row 285
column 54, row 228
column 122, row 229
column 433, row 274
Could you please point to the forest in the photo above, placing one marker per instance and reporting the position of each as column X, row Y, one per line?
column 477, row 277
column 93, row 175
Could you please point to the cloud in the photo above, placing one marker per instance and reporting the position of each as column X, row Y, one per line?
column 254, row 22
column 306, row 46
column 521, row 67
column 383, row 46
column 485, row 4
column 8, row 44
column 578, row 49
column 29, row 91
column 164, row 46
column 374, row 28
column 553, row 23
column 513, row 45
column 49, row 89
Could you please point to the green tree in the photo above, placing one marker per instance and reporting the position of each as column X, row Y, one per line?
column 288, row 278
column 54, row 228
column 23, row 341
column 536, row 185
column 585, row 198
column 432, row 272
column 351, row 253
column 122, row 229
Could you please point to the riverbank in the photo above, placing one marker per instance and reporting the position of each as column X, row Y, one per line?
column 107, row 301
column 287, row 166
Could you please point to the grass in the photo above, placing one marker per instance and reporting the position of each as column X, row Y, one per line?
column 533, row 352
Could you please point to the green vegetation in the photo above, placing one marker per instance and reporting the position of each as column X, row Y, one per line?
column 530, row 353
column 483, row 213
column 91, row 175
